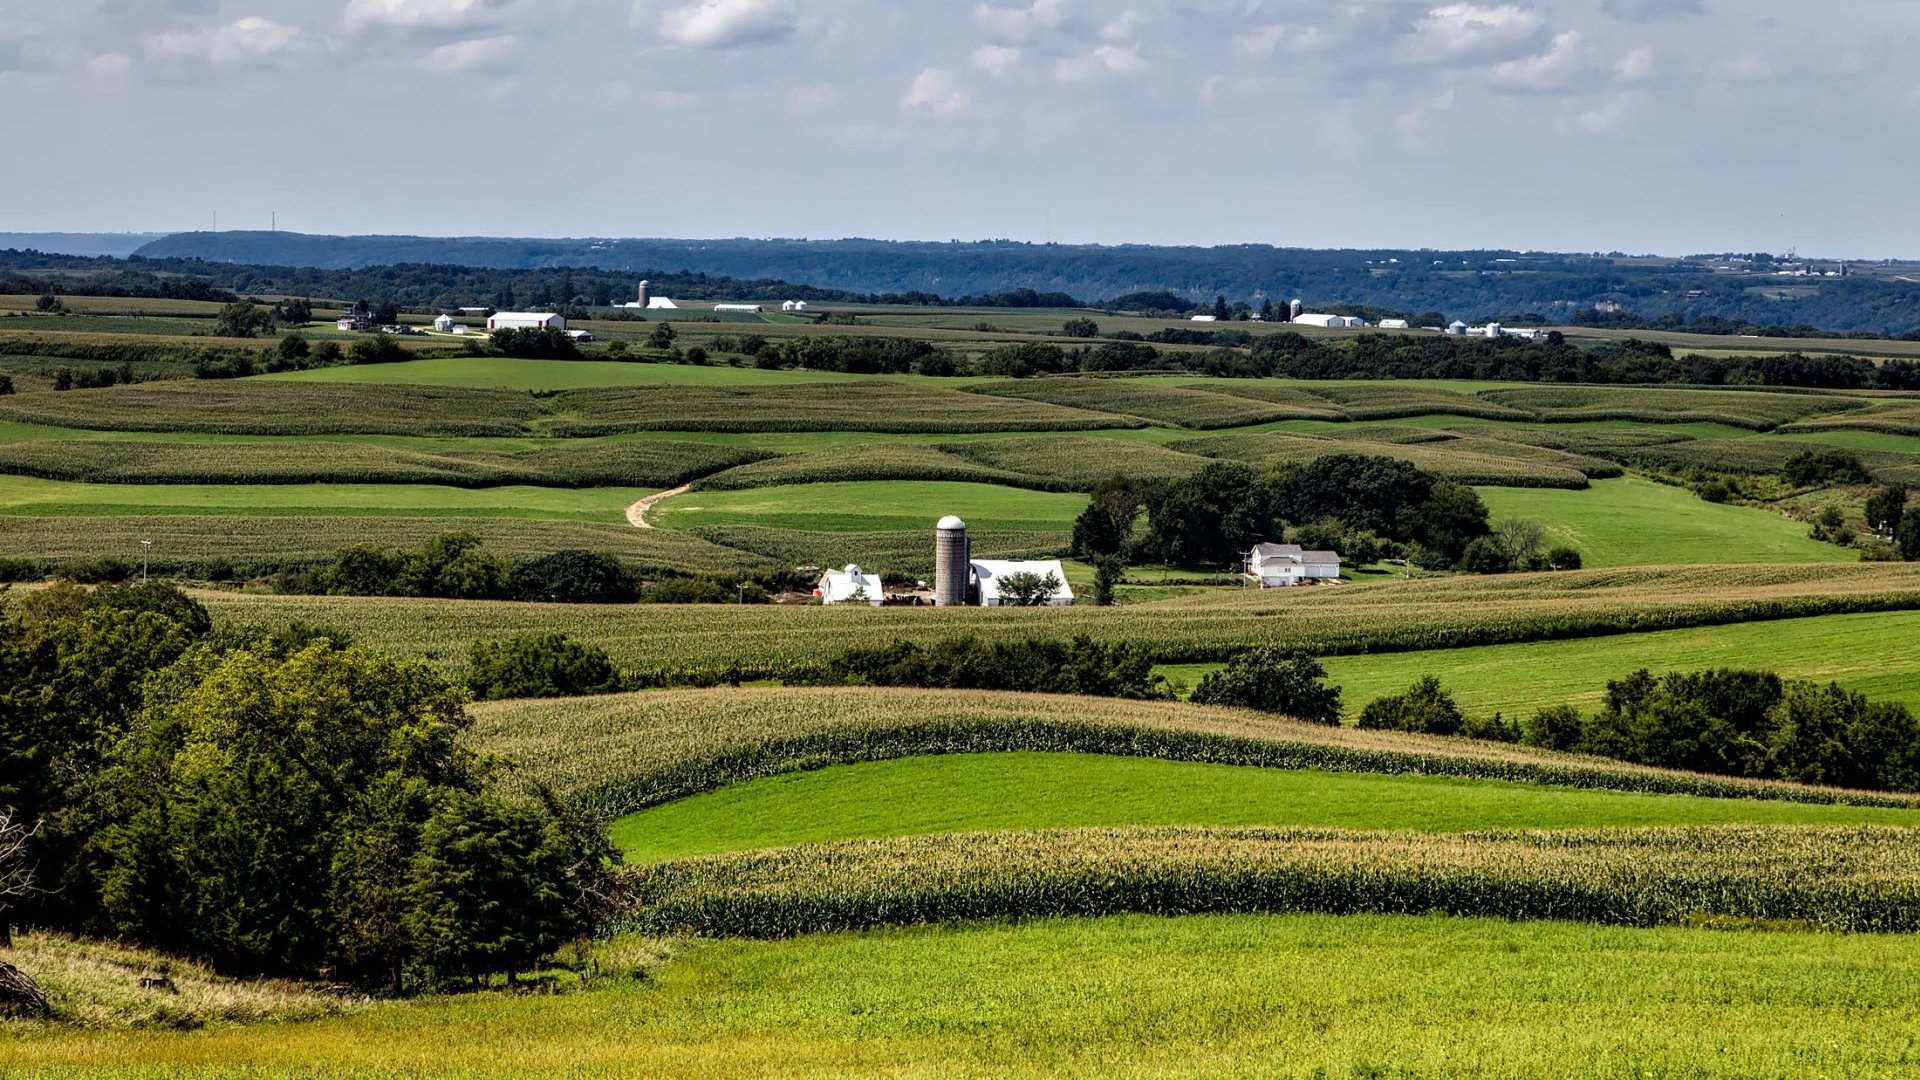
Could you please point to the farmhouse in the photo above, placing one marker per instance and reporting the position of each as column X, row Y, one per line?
column 851, row 586
column 987, row 574
column 525, row 320
column 1282, row 565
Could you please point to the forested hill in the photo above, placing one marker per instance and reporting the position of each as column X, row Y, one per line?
column 1462, row 284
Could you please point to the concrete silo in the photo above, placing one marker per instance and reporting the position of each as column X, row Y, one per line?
column 1295, row 310
column 646, row 293
column 952, row 563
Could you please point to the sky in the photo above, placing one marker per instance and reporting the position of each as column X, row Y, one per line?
column 1668, row 126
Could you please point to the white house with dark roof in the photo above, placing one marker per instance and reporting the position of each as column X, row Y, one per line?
column 1280, row 565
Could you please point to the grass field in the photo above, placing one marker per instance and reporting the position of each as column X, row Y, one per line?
column 1298, row 997
column 986, row 792
column 870, row 507
column 494, row 371
column 1635, row 522
column 34, row 497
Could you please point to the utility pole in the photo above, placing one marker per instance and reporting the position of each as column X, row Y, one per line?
column 146, row 549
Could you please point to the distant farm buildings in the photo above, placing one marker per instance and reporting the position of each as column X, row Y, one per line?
column 443, row 324
column 989, row 582
column 794, row 305
column 1316, row 319
column 648, row 302
column 525, row 320
column 851, row 586
column 1277, row 566
column 739, row 309
column 960, row 580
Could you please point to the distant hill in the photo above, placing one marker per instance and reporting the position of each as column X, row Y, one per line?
column 1559, row 288
column 117, row 245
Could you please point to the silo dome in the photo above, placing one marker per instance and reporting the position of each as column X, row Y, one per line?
column 949, row 522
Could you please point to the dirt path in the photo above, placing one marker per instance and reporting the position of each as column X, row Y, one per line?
column 637, row 513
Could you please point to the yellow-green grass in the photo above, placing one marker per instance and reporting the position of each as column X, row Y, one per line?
column 1853, row 439
column 871, row 507
column 885, row 405
column 1864, row 653
column 1468, row 461
column 623, row 753
column 1636, row 522
column 34, row 497
column 1758, row 410
column 989, row 792
column 248, row 407
column 1374, row 617
column 1291, row 997
column 552, row 374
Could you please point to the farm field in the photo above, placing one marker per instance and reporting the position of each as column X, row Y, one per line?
column 1636, row 522
column 553, row 374
column 1291, row 997
column 990, row 792
column 1860, row 652
column 29, row 496
column 871, row 506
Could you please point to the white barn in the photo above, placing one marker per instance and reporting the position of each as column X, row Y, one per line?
column 851, row 586
column 525, row 320
column 1318, row 319
column 1281, row 565
column 988, row 573
column 740, row 309
column 794, row 305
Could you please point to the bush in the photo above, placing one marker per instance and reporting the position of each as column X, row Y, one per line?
column 1485, row 556
column 1564, row 558
column 535, row 343
column 159, row 598
column 1827, row 467
column 99, row 569
column 705, row 590
column 20, row 570
column 574, row 577
column 1273, row 680
column 1080, row 666
column 540, row 666
column 377, row 349
column 1557, row 728
column 1425, row 709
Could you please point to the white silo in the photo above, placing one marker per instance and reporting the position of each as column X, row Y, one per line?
column 1295, row 310
column 646, row 293
column 1493, row 330
column 952, row 563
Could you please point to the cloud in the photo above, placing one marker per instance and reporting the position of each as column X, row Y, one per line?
column 996, row 60
column 1103, row 61
column 1551, row 70
column 110, row 63
column 1637, row 66
column 1465, row 28
column 252, row 40
column 1643, row 10
column 936, row 91
column 729, row 24
column 1741, row 69
column 1125, row 28
column 1019, row 25
column 1608, row 118
column 1419, row 128
column 471, row 55
column 422, row 14
column 1262, row 42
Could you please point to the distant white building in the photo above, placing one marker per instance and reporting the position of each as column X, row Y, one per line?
column 739, row 309
column 1282, row 565
column 1206, row 318
column 443, row 324
column 1393, row 324
column 851, row 586
column 526, row 320
column 794, row 305
column 654, row 303
column 1457, row 328
column 1317, row 319
column 582, row 337
column 988, row 573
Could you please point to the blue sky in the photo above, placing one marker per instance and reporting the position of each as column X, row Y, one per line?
column 1640, row 125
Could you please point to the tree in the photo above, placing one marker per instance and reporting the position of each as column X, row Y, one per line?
column 50, row 304
column 1211, row 517
column 534, row 343
column 16, row 868
column 1827, row 467
column 293, row 348
column 294, row 312
column 1105, row 527
column 1556, row 728
column 540, row 666
column 662, row 337
column 1028, row 588
column 327, row 354
column 1523, row 542
column 1907, row 537
column 1107, row 572
column 6, row 385
column 1886, row 508
column 1081, row 328
column 1220, row 310
column 1485, row 555
column 1564, row 558
column 242, row 319
column 386, row 313
column 1274, row 680
column 1425, row 709
column 574, row 577
column 378, row 349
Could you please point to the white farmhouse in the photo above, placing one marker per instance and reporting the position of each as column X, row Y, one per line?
column 1281, row 565
column 988, row 573
column 525, row 320
column 851, row 586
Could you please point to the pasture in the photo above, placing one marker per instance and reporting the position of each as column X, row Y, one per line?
column 1636, row 522
column 960, row 793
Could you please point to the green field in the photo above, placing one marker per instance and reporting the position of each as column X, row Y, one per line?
column 512, row 374
column 872, row 507
column 1635, row 522
column 33, row 497
column 985, row 792
column 1294, row 997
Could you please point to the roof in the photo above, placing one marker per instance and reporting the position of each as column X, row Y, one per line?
column 951, row 522
column 990, row 571
column 526, row 315
column 1293, row 553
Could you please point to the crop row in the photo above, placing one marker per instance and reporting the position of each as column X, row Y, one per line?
column 1735, row 408
column 1467, row 461
column 901, row 551
column 1860, row 879
column 875, row 405
column 277, row 408
column 1180, row 407
column 628, row 752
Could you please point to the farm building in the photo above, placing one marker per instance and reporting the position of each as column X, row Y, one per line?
column 1281, row 565
column 525, row 320
column 794, row 305
column 850, row 586
column 739, row 309
column 581, row 337
column 443, row 324
column 358, row 324
column 1316, row 319
column 1393, row 324
column 987, row 574
column 1206, row 318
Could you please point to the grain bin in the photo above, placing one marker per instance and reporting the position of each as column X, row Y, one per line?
column 952, row 563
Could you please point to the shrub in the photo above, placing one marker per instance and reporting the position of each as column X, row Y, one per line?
column 99, row 569
column 13, row 570
column 1563, row 558
column 540, row 666
column 535, row 343
column 377, row 349
column 574, row 577
column 1425, row 709
column 160, row 598
column 1080, row 666
column 704, row 590
column 1826, row 467
column 1556, row 728
column 1273, row 680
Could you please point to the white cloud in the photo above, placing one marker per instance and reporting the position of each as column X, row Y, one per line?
column 422, row 14
column 1420, row 128
column 996, row 60
column 1103, row 61
column 1609, row 117
column 1464, row 28
column 1018, row 25
column 1742, row 68
column 1262, row 42
column 252, row 40
column 729, row 24
column 471, row 55
column 1551, row 70
column 936, row 91
column 1125, row 28
column 1637, row 66
column 109, row 63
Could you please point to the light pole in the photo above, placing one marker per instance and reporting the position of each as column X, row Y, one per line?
column 146, row 549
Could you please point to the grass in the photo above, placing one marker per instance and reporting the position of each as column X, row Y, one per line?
column 880, row 405
column 1158, row 402
column 990, row 792
column 544, row 375
column 1857, row 651
column 1295, row 997
column 35, row 497
column 1635, row 522
column 1755, row 410
column 96, row 985
column 1485, row 462
column 871, row 507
